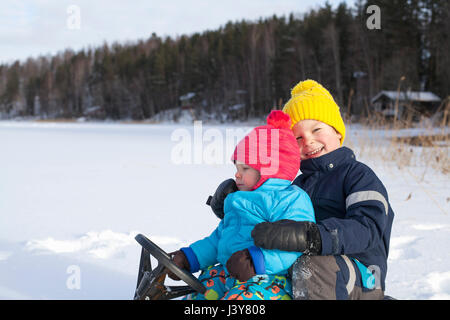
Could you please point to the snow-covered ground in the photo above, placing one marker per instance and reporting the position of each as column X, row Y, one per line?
column 74, row 195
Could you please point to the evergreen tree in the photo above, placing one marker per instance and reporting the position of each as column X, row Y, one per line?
column 250, row 63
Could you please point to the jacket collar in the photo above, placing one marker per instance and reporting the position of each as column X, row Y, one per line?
column 328, row 161
column 274, row 184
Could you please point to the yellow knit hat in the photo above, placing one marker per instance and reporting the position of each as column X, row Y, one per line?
column 309, row 100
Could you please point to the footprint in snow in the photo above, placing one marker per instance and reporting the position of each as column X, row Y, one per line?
column 402, row 248
column 439, row 283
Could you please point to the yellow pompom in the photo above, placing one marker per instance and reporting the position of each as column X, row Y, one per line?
column 304, row 86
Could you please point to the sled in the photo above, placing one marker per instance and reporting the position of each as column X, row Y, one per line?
column 150, row 282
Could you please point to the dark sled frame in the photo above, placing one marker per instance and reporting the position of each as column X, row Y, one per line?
column 150, row 282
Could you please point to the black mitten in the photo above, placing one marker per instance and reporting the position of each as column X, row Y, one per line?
column 240, row 265
column 288, row 235
column 216, row 201
column 180, row 260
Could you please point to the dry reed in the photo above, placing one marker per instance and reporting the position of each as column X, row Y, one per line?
column 405, row 142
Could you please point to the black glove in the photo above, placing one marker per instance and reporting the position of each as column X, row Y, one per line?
column 216, row 201
column 288, row 235
column 240, row 265
column 180, row 260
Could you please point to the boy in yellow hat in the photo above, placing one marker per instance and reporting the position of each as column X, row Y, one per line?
column 346, row 251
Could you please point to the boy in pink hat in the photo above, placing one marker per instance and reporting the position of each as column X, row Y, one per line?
column 267, row 160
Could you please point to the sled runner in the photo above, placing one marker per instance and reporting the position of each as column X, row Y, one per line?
column 150, row 282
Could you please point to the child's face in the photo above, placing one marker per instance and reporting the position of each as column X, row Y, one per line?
column 315, row 138
column 246, row 177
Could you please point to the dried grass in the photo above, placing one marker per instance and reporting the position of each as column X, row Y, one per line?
column 404, row 142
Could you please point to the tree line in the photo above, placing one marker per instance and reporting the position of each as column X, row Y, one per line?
column 253, row 64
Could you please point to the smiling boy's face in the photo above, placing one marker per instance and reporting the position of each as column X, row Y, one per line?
column 315, row 138
column 246, row 177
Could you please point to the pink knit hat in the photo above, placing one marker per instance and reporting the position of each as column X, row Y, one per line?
column 271, row 149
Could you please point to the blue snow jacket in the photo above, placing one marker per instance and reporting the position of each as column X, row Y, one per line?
column 352, row 209
column 274, row 200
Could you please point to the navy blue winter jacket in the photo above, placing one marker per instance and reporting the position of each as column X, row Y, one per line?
column 351, row 207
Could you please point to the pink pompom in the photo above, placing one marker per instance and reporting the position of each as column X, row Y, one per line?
column 279, row 119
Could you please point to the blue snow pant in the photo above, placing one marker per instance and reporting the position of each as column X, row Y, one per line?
column 220, row 285
column 332, row 278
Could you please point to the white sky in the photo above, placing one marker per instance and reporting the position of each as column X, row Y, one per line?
column 40, row 27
